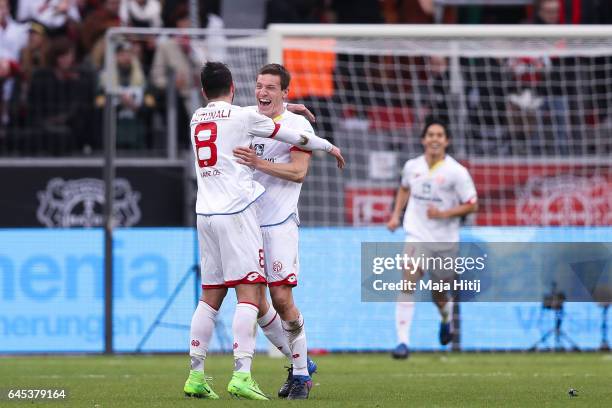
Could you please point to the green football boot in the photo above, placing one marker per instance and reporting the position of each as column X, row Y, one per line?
column 243, row 386
column 196, row 386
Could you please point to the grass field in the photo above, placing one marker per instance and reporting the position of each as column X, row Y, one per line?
column 365, row 380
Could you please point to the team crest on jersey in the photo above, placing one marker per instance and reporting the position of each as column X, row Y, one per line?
column 426, row 188
column 277, row 266
column 79, row 203
column 259, row 149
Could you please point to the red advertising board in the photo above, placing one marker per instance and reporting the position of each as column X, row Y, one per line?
column 513, row 194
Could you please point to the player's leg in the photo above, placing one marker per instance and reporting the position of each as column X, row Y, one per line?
column 268, row 318
column 270, row 323
column 241, row 250
column 205, row 315
column 282, row 269
column 443, row 300
column 404, row 313
column 445, row 305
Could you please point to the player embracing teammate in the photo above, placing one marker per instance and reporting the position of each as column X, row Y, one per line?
column 281, row 168
column 229, row 234
column 438, row 191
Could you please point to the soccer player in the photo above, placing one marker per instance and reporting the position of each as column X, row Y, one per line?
column 438, row 191
column 281, row 169
column 230, row 240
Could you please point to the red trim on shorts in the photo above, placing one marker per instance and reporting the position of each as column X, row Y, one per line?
column 287, row 281
column 270, row 322
column 276, row 128
column 220, row 286
column 246, row 280
column 297, row 149
column 249, row 303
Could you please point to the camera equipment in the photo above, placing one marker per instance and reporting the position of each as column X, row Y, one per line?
column 554, row 300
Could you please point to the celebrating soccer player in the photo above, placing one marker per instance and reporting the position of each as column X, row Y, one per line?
column 281, row 169
column 438, row 191
column 230, row 240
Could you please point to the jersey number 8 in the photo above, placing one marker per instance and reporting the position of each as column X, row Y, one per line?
column 205, row 136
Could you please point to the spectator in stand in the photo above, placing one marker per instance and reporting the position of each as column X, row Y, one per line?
column 94, row 27
column 58, row 16
column 414, row 12
column 357, row 11
column 13, row 37
column 34, row 54
column 135, row 103
column 140, row 13
column 175, row 57
column 61, row 101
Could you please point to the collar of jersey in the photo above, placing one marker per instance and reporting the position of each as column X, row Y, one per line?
column 277, row 118
column 437, row 165
column 218, row 102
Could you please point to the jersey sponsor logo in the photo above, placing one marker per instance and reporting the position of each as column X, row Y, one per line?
column 195, row 343
column 79, row 203
column 291, row 279
column 259, row 149
column 277, row 266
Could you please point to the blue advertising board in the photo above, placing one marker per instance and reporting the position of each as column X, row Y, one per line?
column 51, row 293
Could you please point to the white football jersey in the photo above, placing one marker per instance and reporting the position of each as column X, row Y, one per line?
column 224, row 185
column 444, row 186
column 281, row 199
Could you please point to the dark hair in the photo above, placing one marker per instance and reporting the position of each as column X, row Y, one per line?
column 216, row 79
column 278, row 70
column 58, row 47
column 432, row 121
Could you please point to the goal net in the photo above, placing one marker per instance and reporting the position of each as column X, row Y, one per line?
column 530, row 115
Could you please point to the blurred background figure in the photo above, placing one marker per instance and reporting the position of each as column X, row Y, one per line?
column 176, row 62
column 60, row 102
column 140, row 13
column 58, row 16
column 13, row 37
column 94, row 27
column 135, row 102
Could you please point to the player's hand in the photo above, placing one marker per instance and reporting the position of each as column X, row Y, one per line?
column 246, row 156
column 338, row 155
column 300, row 109
column 393, row 223
column 433, row 212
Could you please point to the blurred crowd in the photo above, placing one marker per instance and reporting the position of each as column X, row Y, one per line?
column 52, row 53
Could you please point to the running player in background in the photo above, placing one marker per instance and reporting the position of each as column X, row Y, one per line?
column 438, row 191
column 231, row 247
column 281, row 169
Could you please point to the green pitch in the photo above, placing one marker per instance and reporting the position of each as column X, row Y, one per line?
column 425, row 380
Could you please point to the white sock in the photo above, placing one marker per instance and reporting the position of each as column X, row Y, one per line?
column 202, row 326
column 244, row 328
column 447, row 311
column 404, row 310
column 270, row 324
column 297, row 343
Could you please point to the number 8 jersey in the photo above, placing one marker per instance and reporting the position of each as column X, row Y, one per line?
column 224, row 185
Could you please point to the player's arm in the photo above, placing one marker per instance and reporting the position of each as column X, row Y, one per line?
column 295, row 170
column 261, row 126
column 401, row 200
column 457, row 211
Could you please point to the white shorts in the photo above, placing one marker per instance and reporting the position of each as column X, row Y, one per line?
column 281, row 250
column 230, row 249
column 435, row 252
